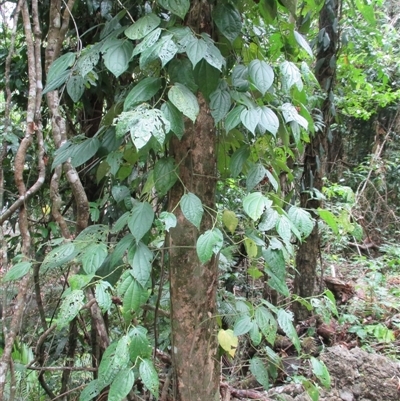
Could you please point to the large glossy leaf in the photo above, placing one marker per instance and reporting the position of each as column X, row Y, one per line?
column 149, row 376
column 192, row 208
column 228, row 20
column 291, row 75
column 165, row 175
column 195, row 49
column 250, row 118
column 208, row 244
column 184, row 100
column 302, row 220
column 17, row 271
column 261, row 75
column 177, row 7
column 122, row 385
column 268, row 121
column 255, row 203
column 142, row 92
column 141, row 264
column 117, row 57
column 140, row 220
column 143, row 26
column 220, row 103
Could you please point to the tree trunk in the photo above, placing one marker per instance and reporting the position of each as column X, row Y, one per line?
column 317, row 153
column 193, row 285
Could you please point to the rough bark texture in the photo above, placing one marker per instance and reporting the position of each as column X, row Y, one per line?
column 193, row 285
column 315, row 159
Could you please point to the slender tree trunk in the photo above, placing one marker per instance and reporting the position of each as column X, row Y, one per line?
column 316, row 156
column 193, row 284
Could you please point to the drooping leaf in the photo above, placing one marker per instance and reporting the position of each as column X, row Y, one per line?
column 143, row 26
column 17, row 271
column 329, row 219
column 303, row 43
column 255, row 203
column 320, row 370
column 58, row 72
column 192, row 208
column 195, row 49
column 228, row 20
column 208, row 244
column 142, row 92
column 206, row 77
column 140, row 219
column 75, row 87
column 260, row 372
column 213, row 55
column 117, row 57
column 250, row 118
column 103, row 297
column 177, row 7
column 228, row 341
column 184, row 100
column 261, row 75
column 302, row 220
column 122, row 385
column 165, row 175
column 291, row 75
column 255, row 175
column 285, row 321
column 268, row 121
column 169, row 220
column 149, row 376
column 175, row 117
column 233, row 118
column 141, row 264
column 220, row 103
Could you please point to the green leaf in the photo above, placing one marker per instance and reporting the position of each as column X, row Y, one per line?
column 147, row 42
column 290, row 114
column 177, row 7
column 180, row 70
column 75, row 87
column 149, row 376
column 228, row 20
column 141, row 264
column 268, row 220
column 87, row 60
column 92, row 390
column 238, row 160
column 329, row 218
column 140, row 220
column 58, row 72
column 260, row 372
column 240, row 78
column 165, row 175
column 255, row 335
column 284, row 229
column 17, row 271
column 255, row 203
column 122, row 385
column 169, row 220
column 117, row 57
column 195, row 49
column 93, row 257
column 233, row 118
column 291, row 75
column 302, row 220
column 192, row 208
column 70, row 307
column 250, row 118
column 276, row 269
column 303, row 43
column 213, row 55
column 285, row 322
column 242, row 325
column 134, row 296
column 255, row 175
column 267, row 324
column 59, row 256
column 206, row 77
column 103, row 297
column 142, row 92
column 261, row 75
column 228, row 341
column 208, row 244
column 220, row 103
column 120, row 192
column 140, row 346
column 268, row 121
column 230, row 220
column 175, row 117
column 166, row 49
column 321, row 371
column 184, row 100
column 142, row 27
column 311, row 388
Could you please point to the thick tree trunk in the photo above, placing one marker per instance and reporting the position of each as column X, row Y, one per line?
column 317, row 153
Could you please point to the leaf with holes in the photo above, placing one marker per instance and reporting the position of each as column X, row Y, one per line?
column 75, row 87
column 228, row 20
column 70, row 307
column 267, row 324
column 142, row 27
column 166, row 49
column 147, row 42
column 213, row 55
column 255, row 203
column 261, row 75
column 192, row 208
column 142, row 92
column 149, row 376
column 140, row 219
column 103, row 297
column 59, row 256
column 90, row 391
column 165, row 175
column 250, row 118
column 184, row 100
column 208, row 244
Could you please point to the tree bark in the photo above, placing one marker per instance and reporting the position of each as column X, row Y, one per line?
column 315, row 159
column 193, row 285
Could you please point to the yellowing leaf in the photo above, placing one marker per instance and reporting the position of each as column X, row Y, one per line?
column 230, row 220
column 228, row 341
column 251, row 247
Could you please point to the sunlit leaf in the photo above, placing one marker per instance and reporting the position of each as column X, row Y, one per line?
column 261, row 75
column 184, row 100
column 192, row 208
column 208, row 244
